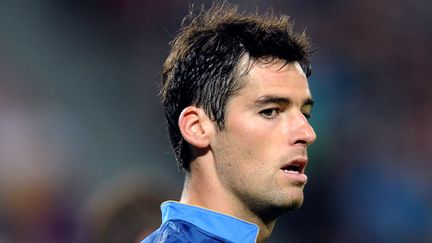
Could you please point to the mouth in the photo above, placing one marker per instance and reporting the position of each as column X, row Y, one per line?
column 294, row 171
column 296, row 166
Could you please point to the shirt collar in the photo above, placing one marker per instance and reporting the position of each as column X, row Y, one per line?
column 225, row 226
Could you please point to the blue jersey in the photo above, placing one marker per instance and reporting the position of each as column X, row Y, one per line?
column 187, row 223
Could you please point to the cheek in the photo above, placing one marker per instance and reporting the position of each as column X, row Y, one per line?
column 254, row 140
column 248, row 128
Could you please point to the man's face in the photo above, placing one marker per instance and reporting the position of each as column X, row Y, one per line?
column 261, row 152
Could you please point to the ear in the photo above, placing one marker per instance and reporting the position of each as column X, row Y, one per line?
column 195, row 126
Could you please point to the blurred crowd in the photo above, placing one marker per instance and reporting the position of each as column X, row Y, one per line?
column 85, row 156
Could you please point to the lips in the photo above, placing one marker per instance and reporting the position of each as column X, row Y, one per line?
column 294, row 171
column 296, row 166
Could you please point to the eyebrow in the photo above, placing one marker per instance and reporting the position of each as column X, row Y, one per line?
column 264, row 100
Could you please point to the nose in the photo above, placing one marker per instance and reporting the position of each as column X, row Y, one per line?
column 302, row 133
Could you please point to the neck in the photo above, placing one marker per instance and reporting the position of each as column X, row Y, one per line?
column 202, row 188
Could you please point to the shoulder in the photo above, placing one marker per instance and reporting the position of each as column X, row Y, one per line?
column 180, row 231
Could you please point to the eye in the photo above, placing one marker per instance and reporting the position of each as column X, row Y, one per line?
column 307, row 110
column 270, row 113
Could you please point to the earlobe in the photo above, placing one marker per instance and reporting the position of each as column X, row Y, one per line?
column 193, row 126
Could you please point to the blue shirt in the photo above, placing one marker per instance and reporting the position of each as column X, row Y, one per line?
column 187, row 223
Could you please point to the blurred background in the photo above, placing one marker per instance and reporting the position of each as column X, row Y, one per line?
column 85, row 156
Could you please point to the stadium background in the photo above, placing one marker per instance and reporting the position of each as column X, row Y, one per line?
column 81, row 125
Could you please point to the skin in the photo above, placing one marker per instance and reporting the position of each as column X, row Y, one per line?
column 237, row 171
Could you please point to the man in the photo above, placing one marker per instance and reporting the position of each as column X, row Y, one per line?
column 237, row 101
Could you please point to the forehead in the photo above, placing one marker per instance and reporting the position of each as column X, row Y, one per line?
column 275, row 78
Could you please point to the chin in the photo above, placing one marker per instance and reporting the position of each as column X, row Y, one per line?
column 291, row 202
column 276, row 210
column 294, row 202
